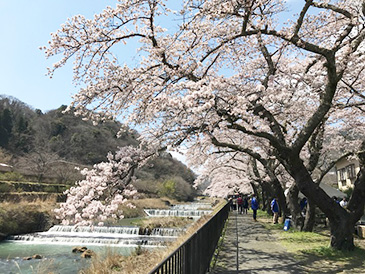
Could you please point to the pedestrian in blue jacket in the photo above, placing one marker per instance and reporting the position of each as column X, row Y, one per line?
column 275, row 210
column 254, row 206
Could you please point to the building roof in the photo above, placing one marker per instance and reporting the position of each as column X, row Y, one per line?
column 331, row 191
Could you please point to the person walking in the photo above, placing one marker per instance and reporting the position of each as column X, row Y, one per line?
column 254, row 206
column 230, row 201
column 275, row 210
column 240, row 204
column 234, row 203
column 303, row 206
column 343, row 203
column 245, row 204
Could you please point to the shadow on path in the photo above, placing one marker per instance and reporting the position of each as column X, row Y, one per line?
column 250, row 248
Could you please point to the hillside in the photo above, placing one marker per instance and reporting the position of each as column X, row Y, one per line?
column 46, row 147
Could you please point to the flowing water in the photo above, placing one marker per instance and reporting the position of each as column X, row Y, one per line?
column 95, row 236
column 192, row 206
column 55, row 245
column 176, row 212
column 56, row 258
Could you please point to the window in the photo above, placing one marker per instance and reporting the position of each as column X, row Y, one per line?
column 342, row 174
column 351, row 171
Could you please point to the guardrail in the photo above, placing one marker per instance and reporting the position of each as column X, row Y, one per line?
column 195, row 254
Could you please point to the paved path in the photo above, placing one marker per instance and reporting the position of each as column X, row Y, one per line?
column 250, row 248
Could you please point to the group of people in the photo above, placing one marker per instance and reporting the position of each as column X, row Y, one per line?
column 241, row 203
column 342, row 203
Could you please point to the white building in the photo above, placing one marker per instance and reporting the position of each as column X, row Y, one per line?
column 346, row 171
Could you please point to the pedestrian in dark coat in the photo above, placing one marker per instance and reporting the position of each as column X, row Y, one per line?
column 245, row 204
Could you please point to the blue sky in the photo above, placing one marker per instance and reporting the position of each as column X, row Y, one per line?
column 25, row 26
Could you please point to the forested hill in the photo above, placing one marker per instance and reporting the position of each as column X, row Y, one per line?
column 24, row 130
column 34, row 142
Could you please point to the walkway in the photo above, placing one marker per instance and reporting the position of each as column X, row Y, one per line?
column 250, row 248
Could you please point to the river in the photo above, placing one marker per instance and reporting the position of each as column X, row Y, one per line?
column 55, row 245
column 56, row 258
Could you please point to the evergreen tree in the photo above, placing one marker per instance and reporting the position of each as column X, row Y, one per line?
column 6, row 125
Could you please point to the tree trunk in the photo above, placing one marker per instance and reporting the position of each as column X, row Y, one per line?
column 310, row 216
column 294, row 207
column 269, row 194
column 263, row 195
column 254, row 188
column 341, row 222
column 357, row 200
column 40, row 177
column 342, row 231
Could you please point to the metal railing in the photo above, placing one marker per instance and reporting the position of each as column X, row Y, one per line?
column 195, row 254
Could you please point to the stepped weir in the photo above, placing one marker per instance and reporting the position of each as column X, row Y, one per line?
column 55, row 244
column 117, row 235
column 194, row 210
column 113, row 236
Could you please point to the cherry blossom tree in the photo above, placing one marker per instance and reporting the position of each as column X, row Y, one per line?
column 227, row 175
column 259, row 168
column 106, row 186
column 225, row 70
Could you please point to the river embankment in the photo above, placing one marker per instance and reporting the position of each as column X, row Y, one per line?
column 140, row 236
column 25, row 217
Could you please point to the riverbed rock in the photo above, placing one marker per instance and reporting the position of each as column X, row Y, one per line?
column 167, row 203
column 88, row 254
column 79, row 249
column 37, row 257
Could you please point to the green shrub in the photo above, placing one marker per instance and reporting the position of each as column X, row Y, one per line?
column 51, row 189
column 11, row 176
column 132, row 212
column 5, row 187
column 167, row 189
